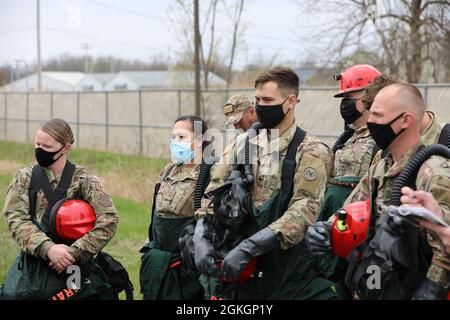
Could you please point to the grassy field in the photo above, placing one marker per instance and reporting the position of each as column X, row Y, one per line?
column 130, row 181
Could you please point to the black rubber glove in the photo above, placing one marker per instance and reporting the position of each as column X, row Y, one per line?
column 318, row 238
column 186, row 245
column 429, row 290
column 204, row 250
column 237, row 259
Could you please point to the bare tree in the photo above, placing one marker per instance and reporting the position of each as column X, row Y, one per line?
column 407, row 34
column 235, row 15
column 213, row 50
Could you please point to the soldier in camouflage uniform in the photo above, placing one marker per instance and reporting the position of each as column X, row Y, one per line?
column 430, row 128
column 353, row 151
column 163, row 275
column 353, row 158
column 395, row 122
column 239, row 112
column 53, row 142
column 277, row 238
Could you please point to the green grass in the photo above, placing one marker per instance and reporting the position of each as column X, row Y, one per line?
column 134, row 216
column 97, row 161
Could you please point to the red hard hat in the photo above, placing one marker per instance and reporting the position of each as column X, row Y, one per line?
column 71, row 219
column 356, row 78
column 357, row 226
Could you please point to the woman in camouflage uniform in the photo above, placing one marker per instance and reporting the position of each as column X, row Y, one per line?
column 163, row 275
column 47, row 259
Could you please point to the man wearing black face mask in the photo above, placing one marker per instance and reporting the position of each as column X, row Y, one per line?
column 353, row 152
column 431, row 131
column 394, row 122
column 353, row 157
column 354, row 148
column 277, row 224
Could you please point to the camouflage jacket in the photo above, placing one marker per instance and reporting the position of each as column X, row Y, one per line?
column 32, row 240
column 355, row 157
column 433, row 177
column 176, row 194
column 314, row 166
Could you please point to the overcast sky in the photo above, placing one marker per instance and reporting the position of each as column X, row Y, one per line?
column 133, row 29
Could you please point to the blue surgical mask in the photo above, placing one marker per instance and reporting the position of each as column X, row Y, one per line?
column 181, row 152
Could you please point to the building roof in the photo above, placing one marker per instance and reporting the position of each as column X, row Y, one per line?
column 71, row 78
column 102, row 77
column 168, row 78
column 305, row 73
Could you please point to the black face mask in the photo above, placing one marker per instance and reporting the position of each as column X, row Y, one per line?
column 348, row 110
column 45, row 158
column 383, row 134
column 270, row 115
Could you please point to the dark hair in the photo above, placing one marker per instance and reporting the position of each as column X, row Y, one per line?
column 378, row 83
column 285, row 78
column 192, row 119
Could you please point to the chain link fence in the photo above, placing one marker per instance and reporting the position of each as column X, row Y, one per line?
column 140, row 122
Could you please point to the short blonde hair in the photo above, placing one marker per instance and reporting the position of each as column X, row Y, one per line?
column 59, row 130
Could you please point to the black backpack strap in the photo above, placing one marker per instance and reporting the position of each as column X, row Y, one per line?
column 155, row 193
column 373, row 209
column 53, row 196
column 288, row 169
column 444, row 137
column 66, row 180
column 32, row 192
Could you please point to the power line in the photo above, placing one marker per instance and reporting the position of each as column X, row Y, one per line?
column 97, row 38
column 166, row 21
column 126, row 10
column 18, row 30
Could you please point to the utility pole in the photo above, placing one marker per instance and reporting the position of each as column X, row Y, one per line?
column 86, row 46
column 197, row 58
column 38, row 30
column 24, row 74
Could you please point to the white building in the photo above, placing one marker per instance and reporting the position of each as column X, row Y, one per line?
column 95, row 82
column 126, row 80
column 135, row 80
column 50, row 81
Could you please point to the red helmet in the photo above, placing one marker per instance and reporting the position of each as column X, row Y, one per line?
column 350, row 228
column 71, row 219
column 356, row 78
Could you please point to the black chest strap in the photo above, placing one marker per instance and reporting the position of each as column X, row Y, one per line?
column 288, row 169
column 39, row 181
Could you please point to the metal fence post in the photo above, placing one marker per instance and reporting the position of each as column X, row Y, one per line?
column 78, row 119
column 107, row 120
column 227, row 95
column 425, row 94
column 179, row 102
column 6, row 116
column 27, row 123
column 141, row 137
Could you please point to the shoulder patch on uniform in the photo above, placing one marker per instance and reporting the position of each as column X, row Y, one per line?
column 105, row 200
column 310, row 174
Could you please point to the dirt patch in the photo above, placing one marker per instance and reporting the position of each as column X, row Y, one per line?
column 8, row 166
column 137, row 186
